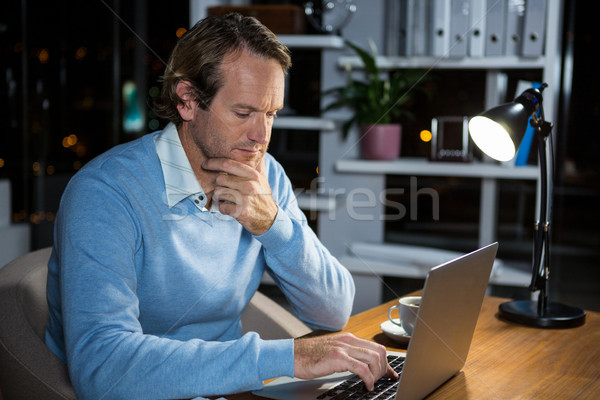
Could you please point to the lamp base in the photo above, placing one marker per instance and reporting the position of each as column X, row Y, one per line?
column 556, row 315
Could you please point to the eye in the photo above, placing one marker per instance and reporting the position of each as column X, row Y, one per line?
column 272, row 114
column 241, row 114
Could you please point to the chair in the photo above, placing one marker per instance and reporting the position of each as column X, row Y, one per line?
column 29, row 370
column 271, row 320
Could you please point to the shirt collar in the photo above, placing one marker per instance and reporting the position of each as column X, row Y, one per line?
column 180, row 180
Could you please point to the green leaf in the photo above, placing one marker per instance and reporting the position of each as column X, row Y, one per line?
column 367, row 59
column 376, row 99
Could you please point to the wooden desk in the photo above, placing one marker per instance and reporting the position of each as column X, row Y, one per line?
column 509, row 361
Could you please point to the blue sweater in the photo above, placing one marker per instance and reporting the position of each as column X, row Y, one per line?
column 145, row 299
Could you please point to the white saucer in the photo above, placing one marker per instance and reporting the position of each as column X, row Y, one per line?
column 394, row 331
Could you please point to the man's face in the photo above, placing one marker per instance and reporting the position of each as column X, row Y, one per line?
column 239, row 121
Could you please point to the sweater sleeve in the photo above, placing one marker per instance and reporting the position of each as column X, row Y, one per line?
column 108, row 353
column 318, row 287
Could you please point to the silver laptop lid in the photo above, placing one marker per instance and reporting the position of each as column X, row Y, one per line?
column 452, row 298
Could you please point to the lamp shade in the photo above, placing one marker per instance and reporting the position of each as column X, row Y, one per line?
column 499, row 130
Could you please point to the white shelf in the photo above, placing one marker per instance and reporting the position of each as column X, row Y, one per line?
column 316, row 202
column 424, row 167
column 397, row 260
column 312, row 41
column 499, row 62
column 304, row 123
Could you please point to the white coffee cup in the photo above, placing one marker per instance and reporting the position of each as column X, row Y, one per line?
column 407, row 307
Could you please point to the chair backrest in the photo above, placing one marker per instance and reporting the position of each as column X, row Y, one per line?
column 271, row 320
column 28, row 369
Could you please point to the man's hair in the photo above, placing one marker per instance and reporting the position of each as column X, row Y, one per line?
column 199, row 53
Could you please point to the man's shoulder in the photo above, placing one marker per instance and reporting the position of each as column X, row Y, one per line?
column 133, row 152
column 123, row 163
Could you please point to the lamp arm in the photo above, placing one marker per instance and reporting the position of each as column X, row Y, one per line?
column 541, row 253
column 537, row 276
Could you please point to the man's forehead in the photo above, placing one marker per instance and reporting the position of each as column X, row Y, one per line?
column 254, row 82
column 254, row 100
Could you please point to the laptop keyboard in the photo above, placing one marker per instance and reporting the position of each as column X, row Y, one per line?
column 354, row 388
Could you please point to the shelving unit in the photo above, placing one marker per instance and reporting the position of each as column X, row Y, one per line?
column 307, row 200
column 423, row 167
column 312, row 41
column 316, row 202
column 356, row 236
column 488, row 173
column 414, row 262
column 392, row 260
column 500, row 62
column 304, row 123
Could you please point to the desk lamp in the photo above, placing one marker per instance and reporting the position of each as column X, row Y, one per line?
column 495, row 132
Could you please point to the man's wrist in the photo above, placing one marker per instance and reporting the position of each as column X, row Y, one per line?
column 280, row 232
column 266, row 223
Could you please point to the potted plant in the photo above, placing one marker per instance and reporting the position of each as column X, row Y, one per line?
column 381, row 102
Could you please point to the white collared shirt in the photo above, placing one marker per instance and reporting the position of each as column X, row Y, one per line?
column 180, row 181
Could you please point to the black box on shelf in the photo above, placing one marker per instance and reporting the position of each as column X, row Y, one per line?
column 450, row 139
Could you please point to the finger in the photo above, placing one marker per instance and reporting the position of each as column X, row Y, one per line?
column 225, row 194
column 216, row 164
column 229, row 166
column 364, row 372
column 224, row 179
column 230, row 209
column 374, row 354
column 344, row 361
column 367, row 344
column 238, row 186
column 372, row 359
column 390, row 373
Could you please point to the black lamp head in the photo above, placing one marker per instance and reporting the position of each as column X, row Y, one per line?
column 499, row 130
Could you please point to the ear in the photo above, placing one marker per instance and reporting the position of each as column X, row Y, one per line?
column 187, row 107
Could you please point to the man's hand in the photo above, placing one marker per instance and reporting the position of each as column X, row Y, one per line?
column 243, row 192
column 320, row 356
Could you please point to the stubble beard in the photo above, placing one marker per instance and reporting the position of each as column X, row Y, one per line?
column 213, row 147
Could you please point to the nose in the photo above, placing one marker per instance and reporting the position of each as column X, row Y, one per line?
column 260, row 131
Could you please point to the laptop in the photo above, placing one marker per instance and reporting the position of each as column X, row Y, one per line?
column 450, row 306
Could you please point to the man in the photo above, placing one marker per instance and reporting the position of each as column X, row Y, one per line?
column 161, row 242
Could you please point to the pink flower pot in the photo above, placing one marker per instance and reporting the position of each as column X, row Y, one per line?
column 380, row 142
